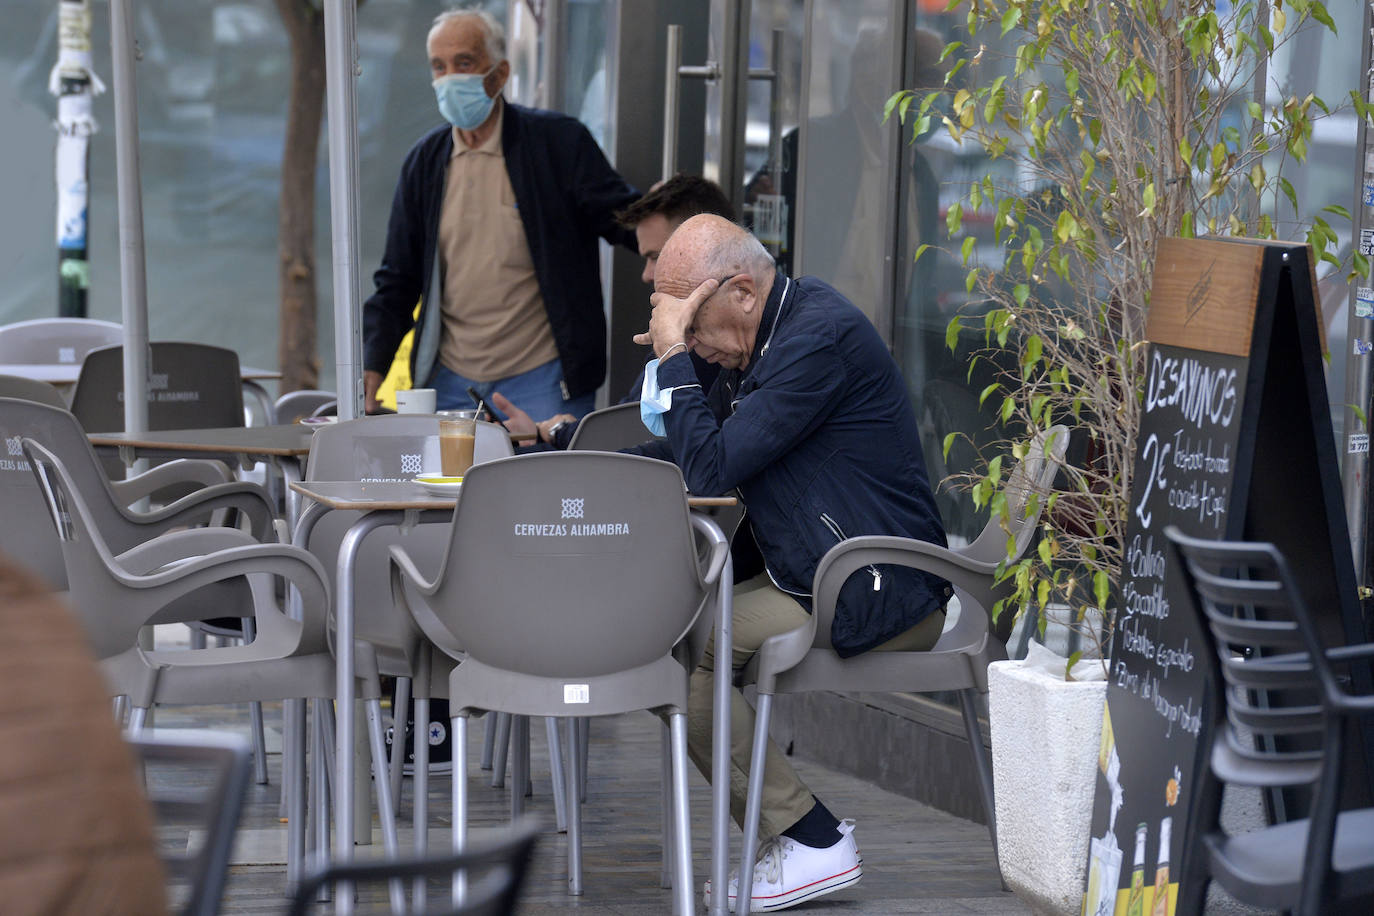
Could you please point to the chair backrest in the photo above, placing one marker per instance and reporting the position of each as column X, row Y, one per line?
column 495, row 871
column 388, row 447
column 1026, row 491
column 307, row 402
column 191, row 386
column 22, row 504
column 610, row 429
column 185, row 758
column 570, row 564
column 29, row 389
column 55, row 340
column 1276, row 678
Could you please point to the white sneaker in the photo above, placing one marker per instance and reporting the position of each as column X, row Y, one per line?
column 788, row 873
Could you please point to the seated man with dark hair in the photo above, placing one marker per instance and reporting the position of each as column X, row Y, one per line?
column 653, row 217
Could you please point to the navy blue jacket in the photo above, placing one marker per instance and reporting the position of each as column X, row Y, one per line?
column 818, row 434
column 567, row 194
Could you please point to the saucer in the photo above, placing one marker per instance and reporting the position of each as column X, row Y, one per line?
column 440, row 485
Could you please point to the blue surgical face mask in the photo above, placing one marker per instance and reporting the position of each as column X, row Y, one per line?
column 654, row 402
column 463, row 101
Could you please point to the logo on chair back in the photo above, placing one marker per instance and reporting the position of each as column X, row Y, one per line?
column 14, row 448
column 572, row 508
column 412, row 464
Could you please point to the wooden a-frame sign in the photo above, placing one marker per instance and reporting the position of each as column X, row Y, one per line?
column 1235, row 443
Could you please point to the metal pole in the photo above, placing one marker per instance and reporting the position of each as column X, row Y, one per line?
column 132, row 277
column 1355, row 464
column 734, row 100
column 341, row 72
column 74, row 84
column 672, row 93
column 555, row 54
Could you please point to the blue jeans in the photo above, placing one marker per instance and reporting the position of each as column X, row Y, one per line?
column 537, row 392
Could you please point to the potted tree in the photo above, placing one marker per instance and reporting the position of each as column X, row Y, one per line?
column 1127, row 121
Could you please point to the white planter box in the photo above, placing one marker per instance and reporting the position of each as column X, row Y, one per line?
column 1045, row 733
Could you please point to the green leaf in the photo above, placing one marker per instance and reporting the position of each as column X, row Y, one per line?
column 987, row 393
column 1359, row 414
column 1008, row 408
column 949, row 441
column 952, row 333
column 966, row 249
column 1336, row 209
column 1068, row 667
column 954, row 219
column 1101, row 588
column 1020, row 293
column 1010, row 19
column 919, row 251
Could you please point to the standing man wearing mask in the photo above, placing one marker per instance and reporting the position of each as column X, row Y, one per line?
column 493, row 230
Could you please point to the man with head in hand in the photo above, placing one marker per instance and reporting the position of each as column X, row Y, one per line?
column 809, row 419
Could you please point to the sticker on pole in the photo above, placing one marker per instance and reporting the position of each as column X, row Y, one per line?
column 1367, row 241
column 577, row 693
column 1368, row 195
column 1361, row 347
column 1359, row 444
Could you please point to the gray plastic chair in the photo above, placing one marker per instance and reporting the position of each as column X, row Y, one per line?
column 210, row 811
column 803, row 660
column 1278, row 718
column 55, row 340
column 499, row 865
column 609, row 429
column 21, row 502
column 391, row 447
column 307, row 402
column 553, row 563
column 117, row 594
column 30, row 389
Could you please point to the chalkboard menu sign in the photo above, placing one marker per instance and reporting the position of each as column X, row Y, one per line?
column 1235, row 442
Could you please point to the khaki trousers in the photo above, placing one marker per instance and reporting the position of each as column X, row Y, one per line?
column 761, row 611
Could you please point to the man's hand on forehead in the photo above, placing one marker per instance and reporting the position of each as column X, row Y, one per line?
column 672, row 317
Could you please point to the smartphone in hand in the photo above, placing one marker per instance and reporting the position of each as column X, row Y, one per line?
column 482, row 406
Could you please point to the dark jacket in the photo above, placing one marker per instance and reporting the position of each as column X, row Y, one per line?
column 820, row 437
column 567, row 194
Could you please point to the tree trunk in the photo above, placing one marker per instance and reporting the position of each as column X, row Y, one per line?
column 300, row 365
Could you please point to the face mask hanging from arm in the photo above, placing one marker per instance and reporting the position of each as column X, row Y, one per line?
column 654, row 402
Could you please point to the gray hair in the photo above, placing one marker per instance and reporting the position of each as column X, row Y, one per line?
column 492, row 31
column 739, row 252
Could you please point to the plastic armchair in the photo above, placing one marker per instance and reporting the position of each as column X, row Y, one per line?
column 803, row 659
column 31, row 389
column 1278, row 717
column 117, row 594
column 109, row 501
column 609, row 429
column 554, row 624
column 307, row 402
column 55, row 340
column 500, row 864
column 211, row 811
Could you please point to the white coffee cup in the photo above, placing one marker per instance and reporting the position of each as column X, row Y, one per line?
column 415, row 400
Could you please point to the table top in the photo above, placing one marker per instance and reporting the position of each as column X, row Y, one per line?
column 288, row 440
column 66, row 373
column 406, row 494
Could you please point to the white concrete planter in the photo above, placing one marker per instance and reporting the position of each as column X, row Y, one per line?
column 1045, row 733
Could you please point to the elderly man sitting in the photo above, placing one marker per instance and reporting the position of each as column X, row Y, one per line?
column 809, row 418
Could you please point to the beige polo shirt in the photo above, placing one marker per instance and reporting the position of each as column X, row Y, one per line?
column 495, row 325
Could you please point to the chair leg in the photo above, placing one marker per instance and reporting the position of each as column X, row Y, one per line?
column 982, row 767
column 293, row 784
column 390, row 840
column 399, row 714
column 120, row 706
column 574, row 812
column 665, row 797
column 584, row 735
column 458, row 725
column 321, row 742
column 753, row 806
column 255, row 715
column 137, row 716
column 682, row 836
column 560, row 800
column 488, row 739
column 421, row 807
column 498, row 760
column 520, row 765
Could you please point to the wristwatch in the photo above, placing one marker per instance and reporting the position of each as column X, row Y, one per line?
column 553, row 431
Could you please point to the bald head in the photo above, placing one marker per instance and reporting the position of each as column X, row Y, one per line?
column 708, row 247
